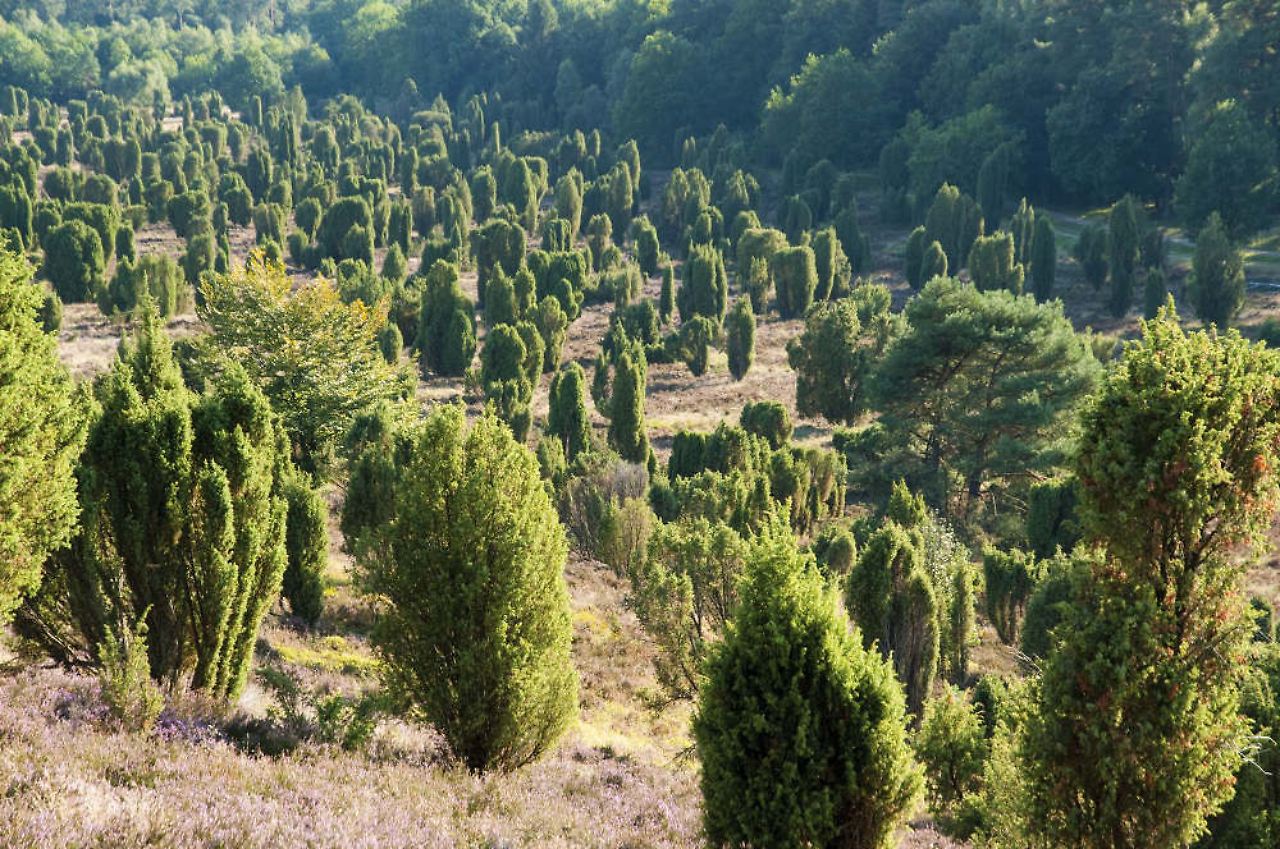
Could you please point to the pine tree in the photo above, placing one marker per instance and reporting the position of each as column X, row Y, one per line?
column 42, row 428
column 567, row 417
column 1217, row 275
column 800, row 730
column 740, row 337
column 475, row 628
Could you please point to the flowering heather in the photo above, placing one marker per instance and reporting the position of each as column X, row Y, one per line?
column 65, row 782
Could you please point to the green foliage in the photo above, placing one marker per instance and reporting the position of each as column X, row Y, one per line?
column 1217, row 284
column 475, row 626
column 952, row 748
column 796, row 276
column 1157, row 627
column 1051, row 516
column 913, row 257
column 934, row 263
column 684, row 593
column 553, row 327
column 1228, row 166
column 315, row 357
column 306, row 543
column 627, row 433
column 647, row 247
column 1251, row 820
column 667, row 297
column 896, row 609
column 1009, row 576
column 696, row 335
column 446, row 333
column 132, row 698
column 704, row 286
column 799, row 729
column 1090, row 253
column 185, row 532
column 505, row 381
column 1122, row 253
column 74, row 261
column 42, row 429
column 1044, row 258
column 831, row 264
column 991, row 264
column 153, row 276
column 1047, row 605
column 835, row 353
column 768, row 419
column 952, row 391
column 954, row 221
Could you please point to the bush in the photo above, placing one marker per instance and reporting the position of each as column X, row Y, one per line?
column 796, row 274
column 624, row 537
column 704, row 286
column 74, row 261
column 132, row 698
column 800, row 730
column 740, row 337
column 476, row 627
column 1009, row 578
column 951, row 747
column 42, row 431
column 446, row 334
column 306, row 543
column 769, row 419
column 567, row 417
column 183, row 529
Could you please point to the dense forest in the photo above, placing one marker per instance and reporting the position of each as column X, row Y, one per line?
column 732, row 423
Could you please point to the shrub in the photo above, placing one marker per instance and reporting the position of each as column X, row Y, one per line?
column 42, row 431
column 553, row 326
column 476, row 628
column 769, row 419
column 740, row 337
column 696, row 335
column 567, row 417
column 796, row 274
column 704, row 286
column 951, row 747
column 446, row 334
column 624, row 537
column 306, row 547
column 1009, row 579
column 314, row 356
column 627, row 433
column 505, row 379
column 992, row 265
column 799, row 729
column 183, row 529
column 74, row 261
column 132, row 698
